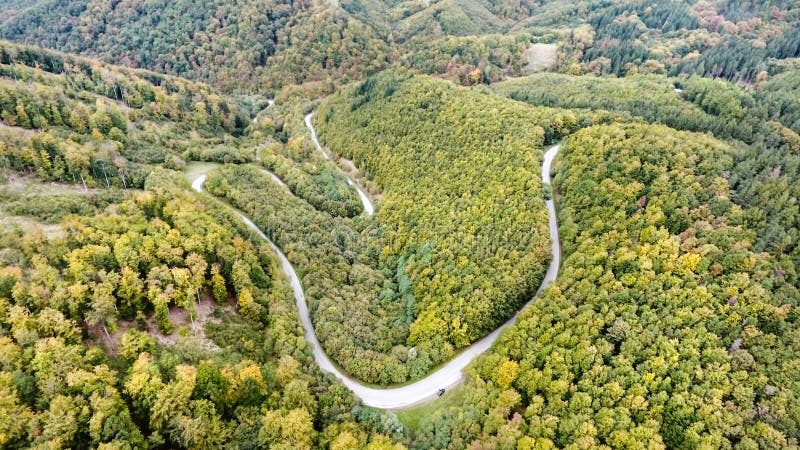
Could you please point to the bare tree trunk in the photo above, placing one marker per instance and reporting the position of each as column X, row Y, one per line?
column 105, row 174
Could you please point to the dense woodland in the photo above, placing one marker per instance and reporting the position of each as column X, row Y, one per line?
column 666, row 329
column 388, row 297
column 766, row 170
column 664, row 102
column 244, row 381
column 264, row 45
column 780, row 95
column 338, row 267
column 136, row 313
column 317, row 183
column 72, row 120
column 464, row 223
column 145, row 318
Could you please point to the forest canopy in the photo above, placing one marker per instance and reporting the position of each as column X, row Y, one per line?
column 387, row 296
column 144, row 262
column 664, row 326
column 140, row 307
column 133, row 313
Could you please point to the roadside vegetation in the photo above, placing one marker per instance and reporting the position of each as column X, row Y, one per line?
column 664, row 325
column 387, row 299
column 136, row 313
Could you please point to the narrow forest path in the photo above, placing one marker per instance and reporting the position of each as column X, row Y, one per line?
column 448, row 375
column 277, row 180
column 369, row 209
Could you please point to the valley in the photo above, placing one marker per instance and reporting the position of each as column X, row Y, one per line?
column 450, row 373
column 387, row 225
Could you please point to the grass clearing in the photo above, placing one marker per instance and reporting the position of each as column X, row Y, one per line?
column 29, row 225
column 413, row 417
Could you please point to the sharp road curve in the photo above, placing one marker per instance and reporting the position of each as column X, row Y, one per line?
column 369, row 209
column 448, row 375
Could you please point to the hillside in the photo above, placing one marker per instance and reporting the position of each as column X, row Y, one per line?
column 154, row 321
column 75, row 120
column 238, row 46
column 730, row 39
column 461, row 199
column 781, row 94
column 258, row 46
column 664, row 327
column 692, row 104
column 766, row 169
column 134, row 314
column 385, row 295
column 391, row 224
column 410, row 19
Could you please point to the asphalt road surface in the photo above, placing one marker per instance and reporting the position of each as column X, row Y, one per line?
column 369, row 209
column 447, row 376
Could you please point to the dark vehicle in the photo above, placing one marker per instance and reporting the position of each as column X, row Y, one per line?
column 440, row 392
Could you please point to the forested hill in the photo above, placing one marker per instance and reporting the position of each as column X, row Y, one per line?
column 136, row 312
column 238, row 45
column 76, row 120
column 133, row 313
column 461, row 210
column 152, row 319
column 665, row 328
column 256, row 45
column 260, row 45
column 760, row 120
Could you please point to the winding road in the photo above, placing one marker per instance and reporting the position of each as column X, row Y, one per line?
column 448, row 375
column 369, row 209
column 270, row 102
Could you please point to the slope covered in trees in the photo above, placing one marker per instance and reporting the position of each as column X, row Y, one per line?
column 356, row 314
column 257, row 45
column 728, row 39
column 766, row 171
column 781, row 95
column 145, row 316
column 665, row 330
column 75, row 120
column 164, row 254
column 765, row 174
column 318, row 184
column 462, row 209
column 692, row 104
column 233, row 44
column 767, row 181
column 653, row 98
column 388, row 296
